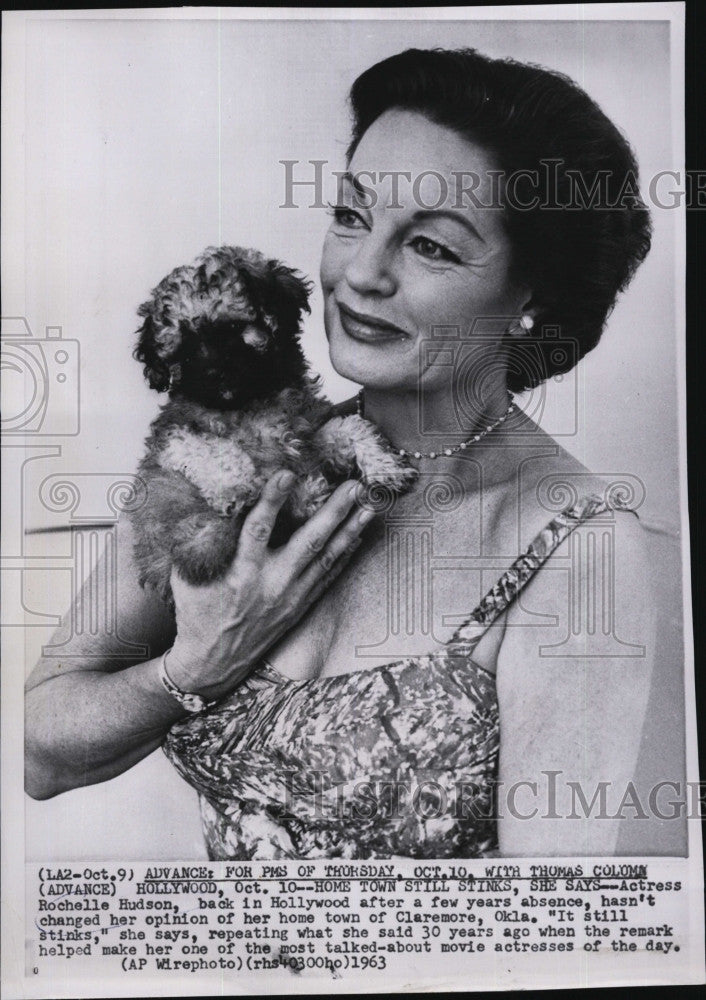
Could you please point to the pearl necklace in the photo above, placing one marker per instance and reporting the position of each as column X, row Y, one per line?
column 446, row 451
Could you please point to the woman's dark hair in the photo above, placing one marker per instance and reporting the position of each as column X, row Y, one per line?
column 588, row 230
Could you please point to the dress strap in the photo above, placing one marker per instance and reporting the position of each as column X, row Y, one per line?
column 513, row 580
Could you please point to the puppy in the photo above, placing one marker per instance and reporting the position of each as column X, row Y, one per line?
column 221, row 337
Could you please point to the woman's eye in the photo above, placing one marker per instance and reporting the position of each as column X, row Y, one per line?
column 433, row 250
column 345, row 217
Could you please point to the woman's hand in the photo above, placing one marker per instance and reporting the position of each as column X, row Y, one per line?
column 223, row 628
column 92, row 715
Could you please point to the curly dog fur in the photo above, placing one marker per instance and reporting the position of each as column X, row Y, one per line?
column 221, row 336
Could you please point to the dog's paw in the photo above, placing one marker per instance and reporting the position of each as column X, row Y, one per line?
column 377, row 461
column 309, row 495
column 387, row 468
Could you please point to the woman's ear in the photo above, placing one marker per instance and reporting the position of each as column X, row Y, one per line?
column 529, row 303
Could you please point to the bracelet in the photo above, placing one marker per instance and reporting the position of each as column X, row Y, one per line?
column 191, row 702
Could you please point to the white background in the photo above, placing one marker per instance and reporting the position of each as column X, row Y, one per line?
column 146, row 140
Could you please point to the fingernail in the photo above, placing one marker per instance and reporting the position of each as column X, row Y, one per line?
column 352, row 489
column 365, row 516
column 285, row 480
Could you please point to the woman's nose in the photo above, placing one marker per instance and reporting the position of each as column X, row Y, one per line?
column 369, row 270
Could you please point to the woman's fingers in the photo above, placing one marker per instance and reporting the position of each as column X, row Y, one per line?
column 309, row 544
column 258, row 525
column 329, row 562
column 315, row 581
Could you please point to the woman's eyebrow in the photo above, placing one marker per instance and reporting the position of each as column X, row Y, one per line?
column 447, row 213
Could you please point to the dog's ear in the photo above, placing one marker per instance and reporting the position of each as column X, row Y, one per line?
column 292, row 293
column 156, row 368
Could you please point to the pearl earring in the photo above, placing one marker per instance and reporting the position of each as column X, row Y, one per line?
column 522, row 326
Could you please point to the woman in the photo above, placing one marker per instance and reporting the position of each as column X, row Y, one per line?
column 467, row 258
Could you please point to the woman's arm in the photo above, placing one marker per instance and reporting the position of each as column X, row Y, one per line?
column 90, row 717
column 571, row 725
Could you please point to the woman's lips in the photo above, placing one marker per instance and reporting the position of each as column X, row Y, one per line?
column 369, row 329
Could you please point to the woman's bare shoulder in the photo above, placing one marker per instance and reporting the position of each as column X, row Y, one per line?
column 575, row 673
column 550, row 479
column 594, row 561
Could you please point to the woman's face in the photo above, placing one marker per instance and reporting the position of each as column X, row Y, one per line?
column 402, row 262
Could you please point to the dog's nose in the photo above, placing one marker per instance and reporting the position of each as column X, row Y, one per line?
column 255, row 337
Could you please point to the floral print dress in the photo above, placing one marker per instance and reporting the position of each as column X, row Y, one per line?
column 394, row 760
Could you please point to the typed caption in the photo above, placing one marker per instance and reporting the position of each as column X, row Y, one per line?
column 335, row 920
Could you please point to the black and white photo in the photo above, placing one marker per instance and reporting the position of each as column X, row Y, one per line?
column 345, row 509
